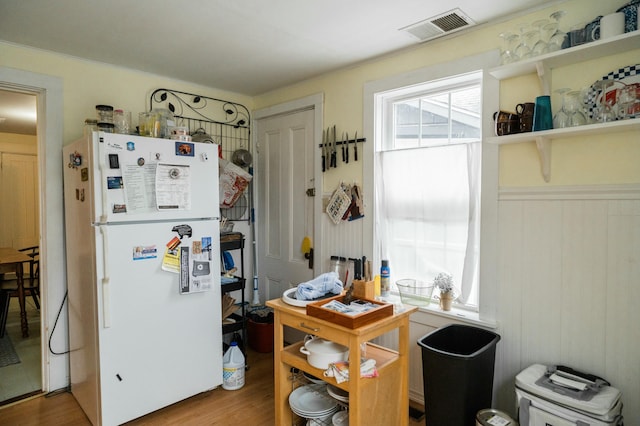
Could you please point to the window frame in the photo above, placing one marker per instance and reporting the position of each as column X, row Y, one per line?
column 373, row 94
column 443, row 87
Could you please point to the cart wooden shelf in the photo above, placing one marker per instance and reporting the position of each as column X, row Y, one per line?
column 380, row 400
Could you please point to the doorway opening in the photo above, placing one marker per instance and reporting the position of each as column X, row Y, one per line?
column 20, row 355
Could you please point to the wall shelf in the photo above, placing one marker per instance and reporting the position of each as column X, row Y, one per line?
column 585, row 52
column 542, row 66
column 543, row 139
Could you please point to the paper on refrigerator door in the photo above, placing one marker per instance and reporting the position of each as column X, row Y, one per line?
column 152, row 187
column 173, row 187
column 139, row 187
column 195, row 267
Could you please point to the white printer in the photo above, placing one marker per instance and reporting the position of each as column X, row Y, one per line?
column 562, row 396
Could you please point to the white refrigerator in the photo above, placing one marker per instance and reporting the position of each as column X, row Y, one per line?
column 143, row 273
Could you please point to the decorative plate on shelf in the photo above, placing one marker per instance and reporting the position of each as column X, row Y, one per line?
column 619, row 78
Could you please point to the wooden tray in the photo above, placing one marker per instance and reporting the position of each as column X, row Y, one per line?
column 316, row 310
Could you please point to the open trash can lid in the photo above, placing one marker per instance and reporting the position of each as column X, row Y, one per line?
column 459, row 341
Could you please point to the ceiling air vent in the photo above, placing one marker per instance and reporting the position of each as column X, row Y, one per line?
column 437, row 26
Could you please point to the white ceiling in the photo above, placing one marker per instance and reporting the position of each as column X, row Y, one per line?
column 243, row 46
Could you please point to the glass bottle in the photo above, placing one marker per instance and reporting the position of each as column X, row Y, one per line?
column 122, row 121
column 90, row 126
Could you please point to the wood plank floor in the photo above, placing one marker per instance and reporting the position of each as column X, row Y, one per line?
column 251, row 405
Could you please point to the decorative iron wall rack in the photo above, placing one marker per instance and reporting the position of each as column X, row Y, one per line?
column 227, row 124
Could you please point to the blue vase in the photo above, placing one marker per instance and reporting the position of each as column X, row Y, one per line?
column 542, row 117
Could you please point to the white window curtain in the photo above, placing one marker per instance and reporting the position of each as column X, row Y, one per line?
column 427, row 202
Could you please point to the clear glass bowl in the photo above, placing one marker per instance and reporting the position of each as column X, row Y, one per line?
column 415, row 292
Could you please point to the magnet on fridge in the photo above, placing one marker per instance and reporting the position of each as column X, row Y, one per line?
column 131, row 146
column 185, row 149
column 173, row 244
column 140, row 161
column 114, row 163
column 182, row 230
column 75, row 160
column 114, row 182
column 206, row 243
column 119, row 208
column 204, row 156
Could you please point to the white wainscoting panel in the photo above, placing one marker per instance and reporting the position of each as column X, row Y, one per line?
column 344, row 239
column 569, row 291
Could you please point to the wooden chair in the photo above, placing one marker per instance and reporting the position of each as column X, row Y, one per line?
column 31, row 284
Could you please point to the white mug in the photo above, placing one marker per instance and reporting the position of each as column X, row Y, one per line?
column 611, row 25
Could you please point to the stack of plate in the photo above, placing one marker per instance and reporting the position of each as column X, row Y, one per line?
column 312, row 402
column 337, row 393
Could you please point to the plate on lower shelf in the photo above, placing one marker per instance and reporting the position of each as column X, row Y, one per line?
column 312, row 401
column 337, row 393
column 312, row 379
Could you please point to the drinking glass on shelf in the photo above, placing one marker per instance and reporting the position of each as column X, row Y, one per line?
column 507, row 53
column 523, row 49
column 561, row 119
column 558, row 37
column 530, row 39
column 604, row 111
column 540, row 46
column 627, row 99
column 574, row 108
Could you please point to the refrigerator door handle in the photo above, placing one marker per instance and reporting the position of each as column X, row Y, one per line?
column 106, row 297
column 101, row 166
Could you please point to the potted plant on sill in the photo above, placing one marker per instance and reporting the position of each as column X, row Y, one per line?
column 444, row 282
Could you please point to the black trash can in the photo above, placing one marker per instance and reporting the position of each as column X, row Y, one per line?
column 457, row 369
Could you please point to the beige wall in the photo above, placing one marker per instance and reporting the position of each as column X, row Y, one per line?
column 602, row 160
column 87, row 83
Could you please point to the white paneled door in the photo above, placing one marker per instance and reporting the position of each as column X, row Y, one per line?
column 285, row 208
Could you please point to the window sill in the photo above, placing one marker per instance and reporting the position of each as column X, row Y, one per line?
column 455, row 314
column 460, row 315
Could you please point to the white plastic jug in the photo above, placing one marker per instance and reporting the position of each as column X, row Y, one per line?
column 233, row 368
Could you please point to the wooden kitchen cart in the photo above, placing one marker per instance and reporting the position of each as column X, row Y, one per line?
column 383, row 400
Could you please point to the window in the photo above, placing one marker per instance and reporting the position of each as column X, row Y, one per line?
column 427, row 164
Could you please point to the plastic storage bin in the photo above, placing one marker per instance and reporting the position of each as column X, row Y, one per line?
column 457, row 368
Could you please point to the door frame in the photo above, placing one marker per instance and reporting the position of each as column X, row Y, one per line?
column 49, row 104
column 315, row 102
